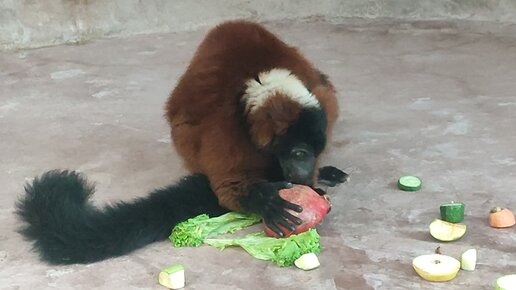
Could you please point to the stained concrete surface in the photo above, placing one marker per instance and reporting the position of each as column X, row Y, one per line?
column 432, row 99
column 29, row 23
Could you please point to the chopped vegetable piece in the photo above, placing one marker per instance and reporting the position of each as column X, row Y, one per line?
column 501, row 218
column 193, row 231
column 282, row 251
column 452, row 212
column 409, row 183
column 172, row 277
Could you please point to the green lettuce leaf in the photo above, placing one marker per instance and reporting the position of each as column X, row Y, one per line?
column 192, row 232
column 282, row 251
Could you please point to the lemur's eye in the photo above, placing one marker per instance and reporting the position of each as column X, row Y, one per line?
column 299, row 154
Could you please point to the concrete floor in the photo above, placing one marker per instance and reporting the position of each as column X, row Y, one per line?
column 432, row 99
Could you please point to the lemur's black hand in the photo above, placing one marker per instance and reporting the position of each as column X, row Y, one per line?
column 320, row 191
column 332, row 176
column 264, row 198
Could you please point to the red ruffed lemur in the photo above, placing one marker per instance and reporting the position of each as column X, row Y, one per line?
column 249, row 117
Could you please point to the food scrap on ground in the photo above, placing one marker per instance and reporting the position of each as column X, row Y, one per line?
column 192, row 232
column 409, row 183
column 452, row 212
column 445, row 231
column 262, row 245
column 172, row 277
column 501, row 218
column 307, row 262
column 282, row 251
column 507, row 282
column 468, row 260
column 436, row 267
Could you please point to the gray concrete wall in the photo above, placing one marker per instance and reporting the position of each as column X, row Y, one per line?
column 35, row 23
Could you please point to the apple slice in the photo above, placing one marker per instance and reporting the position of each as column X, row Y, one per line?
column 507, row 282
column 436, row 267
column 468, row 260
column 445, row 231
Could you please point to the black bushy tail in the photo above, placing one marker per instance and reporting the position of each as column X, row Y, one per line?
column 67, row 228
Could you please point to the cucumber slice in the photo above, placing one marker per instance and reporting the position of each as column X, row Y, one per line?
column 452, row 212
column 409, row 183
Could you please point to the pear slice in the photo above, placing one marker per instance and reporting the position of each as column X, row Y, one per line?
column 445, row 231
column 468, row 260
column 436, row 267
column 307, row 262
column 507, row 282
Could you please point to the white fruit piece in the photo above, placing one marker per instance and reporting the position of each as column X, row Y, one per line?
column 507, row 282
column 172, row 277
column 307, row 262
column 436, row 267
column 468, row 260
column 445, row 231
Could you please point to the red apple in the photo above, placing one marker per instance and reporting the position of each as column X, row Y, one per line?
column 315, row 208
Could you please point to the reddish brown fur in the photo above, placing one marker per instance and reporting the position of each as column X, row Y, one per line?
column 204, row 111
column 272, row 119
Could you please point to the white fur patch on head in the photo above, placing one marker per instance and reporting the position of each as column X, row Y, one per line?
column 277, row 81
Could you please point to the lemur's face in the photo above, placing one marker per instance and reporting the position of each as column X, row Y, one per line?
column 298, row 148
column 298, row 164
column 287, row 120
